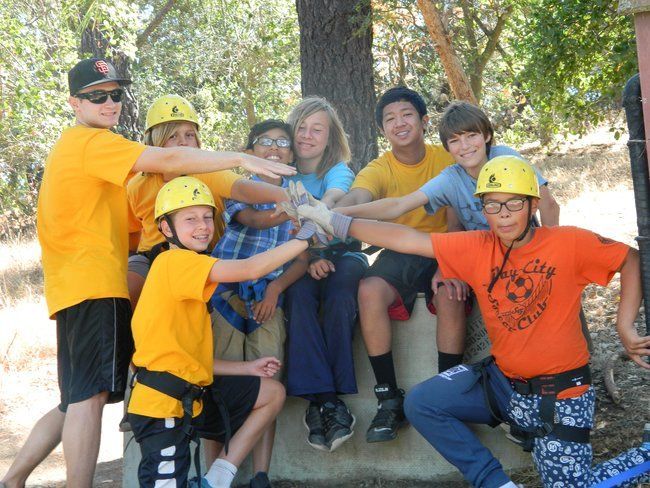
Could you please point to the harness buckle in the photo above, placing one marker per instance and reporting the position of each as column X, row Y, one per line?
column 521, row 386
column 195, row 392
column 544, row 430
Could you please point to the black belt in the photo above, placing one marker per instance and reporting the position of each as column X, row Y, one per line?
column 183, row 391
column 548, row 387
column 552, row 384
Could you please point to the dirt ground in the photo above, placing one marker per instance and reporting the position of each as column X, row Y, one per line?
column 590, row 180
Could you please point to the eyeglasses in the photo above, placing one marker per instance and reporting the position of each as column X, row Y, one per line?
column 514, row 205
column 100, row 96
column 268, row 142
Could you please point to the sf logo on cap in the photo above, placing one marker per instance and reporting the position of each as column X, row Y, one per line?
column 102, row 67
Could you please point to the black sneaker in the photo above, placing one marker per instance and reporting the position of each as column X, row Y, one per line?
column 314, row 424
column 260, row 480
column 390, row 414
column 338, row 423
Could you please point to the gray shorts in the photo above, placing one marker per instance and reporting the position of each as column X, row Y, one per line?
column 139, row 264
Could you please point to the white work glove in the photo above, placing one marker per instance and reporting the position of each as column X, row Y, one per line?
column 298, row 195
column 333, row 223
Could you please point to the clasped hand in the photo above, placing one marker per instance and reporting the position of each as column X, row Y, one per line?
column 303, row 208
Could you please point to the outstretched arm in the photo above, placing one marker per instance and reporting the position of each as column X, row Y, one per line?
column 628, row 309
column 183, row 160
column 397, row 237
column 260, row 219
column 236, row 270
column 386, row 208
column 248, row 191
column 355, row 196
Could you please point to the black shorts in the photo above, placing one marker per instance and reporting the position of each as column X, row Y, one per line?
column 165, row 458
column 95, row 346
column 408, row 274
column 239, row 393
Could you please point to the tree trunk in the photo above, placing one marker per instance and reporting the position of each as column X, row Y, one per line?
column 456, row 75
column 336, row 63
column 94, row 43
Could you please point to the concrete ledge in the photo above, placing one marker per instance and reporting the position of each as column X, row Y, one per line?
column 407, row 457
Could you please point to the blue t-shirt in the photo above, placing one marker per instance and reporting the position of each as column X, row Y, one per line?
column 338, row 176
column 455, row 188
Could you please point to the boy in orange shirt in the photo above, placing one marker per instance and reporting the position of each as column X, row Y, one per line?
column 83, row 233
column 174, row 352
column 528, row 282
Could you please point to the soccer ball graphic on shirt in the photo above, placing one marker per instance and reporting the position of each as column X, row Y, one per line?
column 519, row 289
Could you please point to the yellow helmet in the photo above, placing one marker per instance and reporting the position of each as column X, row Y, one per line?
column 170, row 108
column 182, row 192
column 507, row 174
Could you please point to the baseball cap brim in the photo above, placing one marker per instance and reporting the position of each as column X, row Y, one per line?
column 121, row 81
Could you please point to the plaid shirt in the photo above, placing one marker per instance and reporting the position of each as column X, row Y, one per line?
column 241, row 242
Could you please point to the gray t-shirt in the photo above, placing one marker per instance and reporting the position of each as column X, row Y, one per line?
column 455, row 188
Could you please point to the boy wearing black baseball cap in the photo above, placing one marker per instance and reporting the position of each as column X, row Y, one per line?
column 83, row 232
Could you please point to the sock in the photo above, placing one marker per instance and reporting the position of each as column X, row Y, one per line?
column 221, row 474
column 509, row 484
column 322, row 398
column 447, row 360
column 384, row 369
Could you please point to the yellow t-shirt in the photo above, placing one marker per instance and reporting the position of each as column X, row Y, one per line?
column 82, row 216
column 387, row 177
column 171, row 329
column 142, row 190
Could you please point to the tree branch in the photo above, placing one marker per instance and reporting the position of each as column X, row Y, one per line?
column 456, row 75
column 493, row 38
column 488, row 33
column 468, row 22
column 153, row 25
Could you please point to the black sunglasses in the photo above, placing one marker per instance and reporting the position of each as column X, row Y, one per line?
column 100, row 96
column 268, row 142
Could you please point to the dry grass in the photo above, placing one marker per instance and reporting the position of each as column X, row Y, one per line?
column 21, row 276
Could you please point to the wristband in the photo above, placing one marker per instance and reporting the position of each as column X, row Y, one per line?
column 341, row 225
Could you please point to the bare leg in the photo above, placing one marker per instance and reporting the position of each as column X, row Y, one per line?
column 135, row 283
column 211, row 450
column 263, row 450
column 375, row 296
column 267, row 407
column 44, row 437
column 81, row 437
column 450, row 336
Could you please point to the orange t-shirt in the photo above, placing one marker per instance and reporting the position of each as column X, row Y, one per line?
column 532, row 314
column 82, row 216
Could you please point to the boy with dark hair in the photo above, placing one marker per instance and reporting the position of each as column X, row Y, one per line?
column 174, row 352
column 467, row 134
column 528, row 282
column 82, row 229
column 248, row 321
column 391, row 284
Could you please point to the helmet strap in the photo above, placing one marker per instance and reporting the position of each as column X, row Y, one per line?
column 507, row 254
column 174, row 237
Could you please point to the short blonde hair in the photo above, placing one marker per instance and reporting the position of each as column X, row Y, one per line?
column 159, row 134
column 337, row 148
